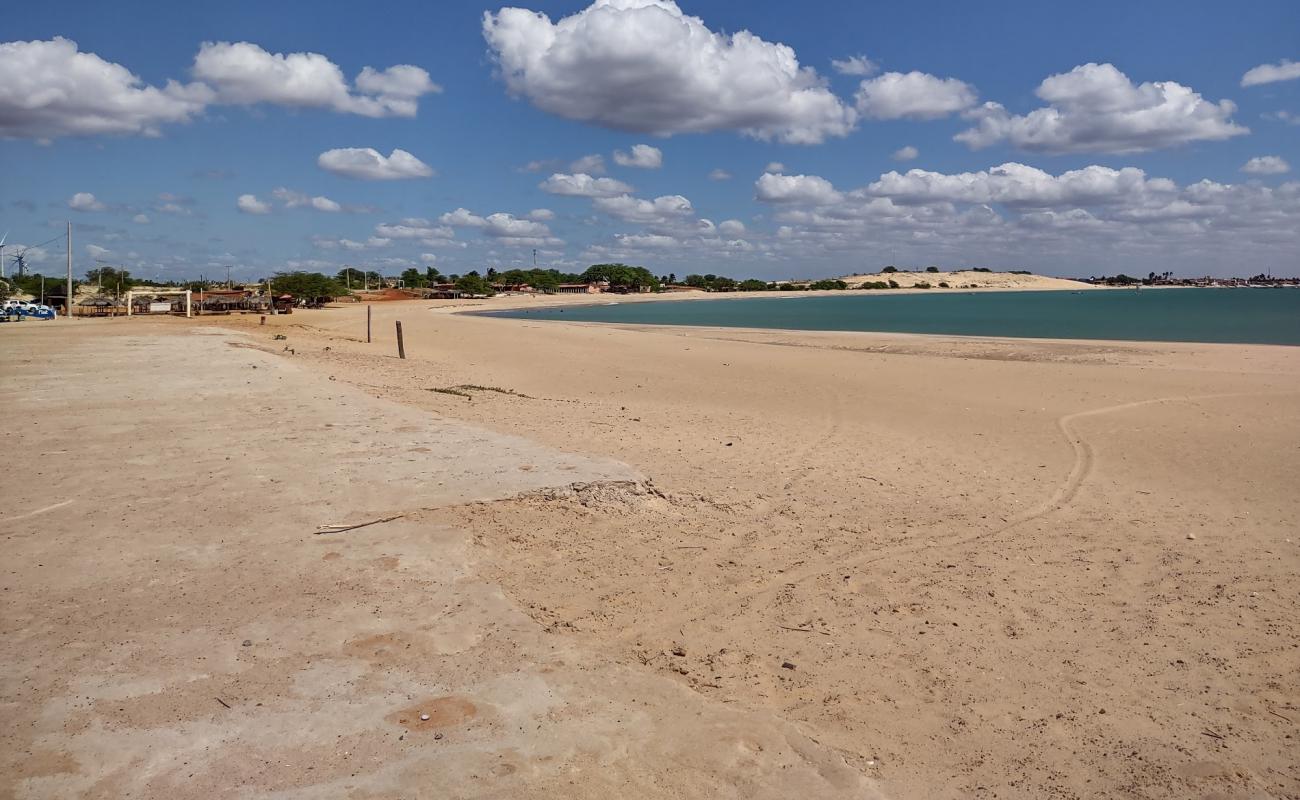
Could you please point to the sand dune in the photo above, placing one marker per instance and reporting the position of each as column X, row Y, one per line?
column 968, row 279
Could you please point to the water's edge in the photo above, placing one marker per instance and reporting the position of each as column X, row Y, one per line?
column 1212, row 316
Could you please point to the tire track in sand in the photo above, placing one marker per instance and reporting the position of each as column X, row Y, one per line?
column 1084, row 465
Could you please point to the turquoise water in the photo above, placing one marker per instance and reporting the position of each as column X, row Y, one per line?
column 1261, row 316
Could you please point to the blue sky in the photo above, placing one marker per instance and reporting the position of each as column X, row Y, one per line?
column 1167, row 140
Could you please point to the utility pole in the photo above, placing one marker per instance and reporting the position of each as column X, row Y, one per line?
column 68, row 307
column 229, row 285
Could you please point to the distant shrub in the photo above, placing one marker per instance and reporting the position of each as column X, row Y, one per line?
column 921, row 285
column 874, row 285
column 943, row 285
column 981, row 269
column 893, row 284
column 1021, row 272
column 823, row 285
column 890, row 269
column 931, row 269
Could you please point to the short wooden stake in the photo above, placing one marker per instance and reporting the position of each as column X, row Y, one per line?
column 401, row 348
column 263, row 319
column 367, row 324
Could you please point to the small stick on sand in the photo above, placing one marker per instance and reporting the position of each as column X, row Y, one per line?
column 803, row 630
column 342, row 528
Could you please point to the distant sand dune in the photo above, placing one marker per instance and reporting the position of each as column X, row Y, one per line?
column 965, row 279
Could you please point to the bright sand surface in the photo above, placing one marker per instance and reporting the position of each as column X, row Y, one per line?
column 965, row 279
column 969, row 567
column 996, row 567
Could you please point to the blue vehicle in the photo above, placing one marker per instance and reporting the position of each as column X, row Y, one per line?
column 18, row 310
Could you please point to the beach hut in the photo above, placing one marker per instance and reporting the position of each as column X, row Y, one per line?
column 100, row 305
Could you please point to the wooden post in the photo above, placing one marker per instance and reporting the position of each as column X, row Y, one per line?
column 367, row 323
column 68, row 300
column 401, row 347
column 263, row 319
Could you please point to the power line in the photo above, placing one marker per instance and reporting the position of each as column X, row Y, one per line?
column 42, row 244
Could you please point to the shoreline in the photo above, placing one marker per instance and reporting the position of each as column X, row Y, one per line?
column 516, row 307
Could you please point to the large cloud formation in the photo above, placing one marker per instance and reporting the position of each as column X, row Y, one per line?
column 645, row 66
column 242, row 73
column 1095, row 216
column 50, row 89
column 1020, row 185
column 1096, row 108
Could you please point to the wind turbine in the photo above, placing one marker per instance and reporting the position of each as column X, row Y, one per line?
column 2, row 253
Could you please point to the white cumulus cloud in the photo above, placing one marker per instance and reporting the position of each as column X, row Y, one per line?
column 368, row 164
column 593, row 164
column 647, row 67
column 1018, row 184
column 292, row 199
column 85, row 201
column 642, row 156
column 1284, row 70
column 633, row 209
column 859, row 66
column 242, row 73
column 505, row 228
column 1096, row 108
column 249, row 204
column 50, row 89
column 802, row 189
column 719, row 174
column 419, row 228
column 1266, row 165
column 913, row 95
column 907, row 153
column 583, row 185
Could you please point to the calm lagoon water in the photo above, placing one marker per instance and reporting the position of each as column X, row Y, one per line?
column 1260, row 316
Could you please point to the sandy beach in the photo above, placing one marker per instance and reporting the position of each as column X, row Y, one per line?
column 959, row 567
column 976, row 553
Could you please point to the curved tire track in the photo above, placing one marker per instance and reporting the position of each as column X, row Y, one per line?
column 1084, row 464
